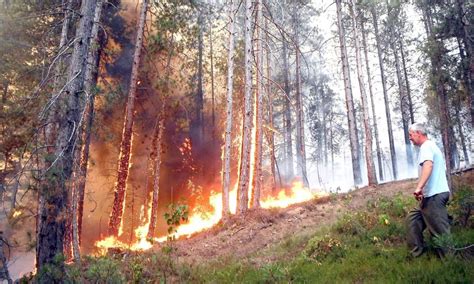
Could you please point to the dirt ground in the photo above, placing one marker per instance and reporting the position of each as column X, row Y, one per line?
column 259, row 229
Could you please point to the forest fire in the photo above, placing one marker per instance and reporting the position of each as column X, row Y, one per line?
column 199, row 220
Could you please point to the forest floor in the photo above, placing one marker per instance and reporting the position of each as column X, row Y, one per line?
column 246, row 236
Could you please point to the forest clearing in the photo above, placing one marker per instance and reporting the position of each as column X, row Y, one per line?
column 236, row 141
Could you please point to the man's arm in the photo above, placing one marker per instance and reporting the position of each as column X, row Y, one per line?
column 426, row 170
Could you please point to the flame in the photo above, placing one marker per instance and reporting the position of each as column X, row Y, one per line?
column 199, row 221
column 297, row 194
column 142, row 231
column 17, row 213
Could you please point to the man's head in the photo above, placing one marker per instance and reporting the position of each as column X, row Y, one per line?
column 417, row 132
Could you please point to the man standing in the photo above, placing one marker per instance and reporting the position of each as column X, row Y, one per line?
column 432, row 191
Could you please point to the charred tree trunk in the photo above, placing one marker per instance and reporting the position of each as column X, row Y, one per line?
column 155, row 162
column 393, row 155
column 63, row 124
column 372, row 178
column 258, row 176
column 126, row 144
column 228, row 128
column 376, row 130
column 244, row 176
column 351, row 118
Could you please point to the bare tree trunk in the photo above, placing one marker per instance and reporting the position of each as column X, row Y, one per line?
column 60, row 77
column 258, row 176
column 64, row 124
column 351, row 118
column 407, row 82
column 228, row 129
column 60, row 66
column 287, row 111
column 212, row 84
column 376, row 131
column 155, row 161
column 244, row 176
column 300, row 145
column 90, row 81
column 271, row 135
column 372, row 178
column 468, row 40
column 115, row 220
column 438, row 84
column 393, row 155
column 458, row 107
column 198, row 124
column 393, row 37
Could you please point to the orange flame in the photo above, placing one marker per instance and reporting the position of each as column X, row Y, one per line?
column 199, row 221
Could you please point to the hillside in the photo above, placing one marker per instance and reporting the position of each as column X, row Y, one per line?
column 255, row 239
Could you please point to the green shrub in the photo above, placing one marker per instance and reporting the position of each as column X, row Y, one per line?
column 105, row 270
column 320, row 249
column 461, row 206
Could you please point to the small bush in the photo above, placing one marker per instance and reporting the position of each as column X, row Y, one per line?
column 327, row 247
column 461, row 206
column 105, row 270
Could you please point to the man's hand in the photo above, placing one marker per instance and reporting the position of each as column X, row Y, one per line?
column 418, row 193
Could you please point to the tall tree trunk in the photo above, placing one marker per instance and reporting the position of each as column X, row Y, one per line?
column 393, row 155
column 269, row 93
column 407, row 82
column 466, row 79
column 458, row 118
column 258, row 175
column 401, row 88
column 212, row 83
column 468, row 31
column 287, row 110
column 60, row 66
column 228, row 128
column 115, row 221
column 376, row 130
column 198, row 124
column 351, row 118
column 244, row 173
column 63, row 123
column 437, row 81
column 155, row 161
column 90, row 81
column 60, row 78
column 371, row 177
column 300, row 145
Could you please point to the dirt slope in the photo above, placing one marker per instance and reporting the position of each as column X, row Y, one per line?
column 259, row 229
